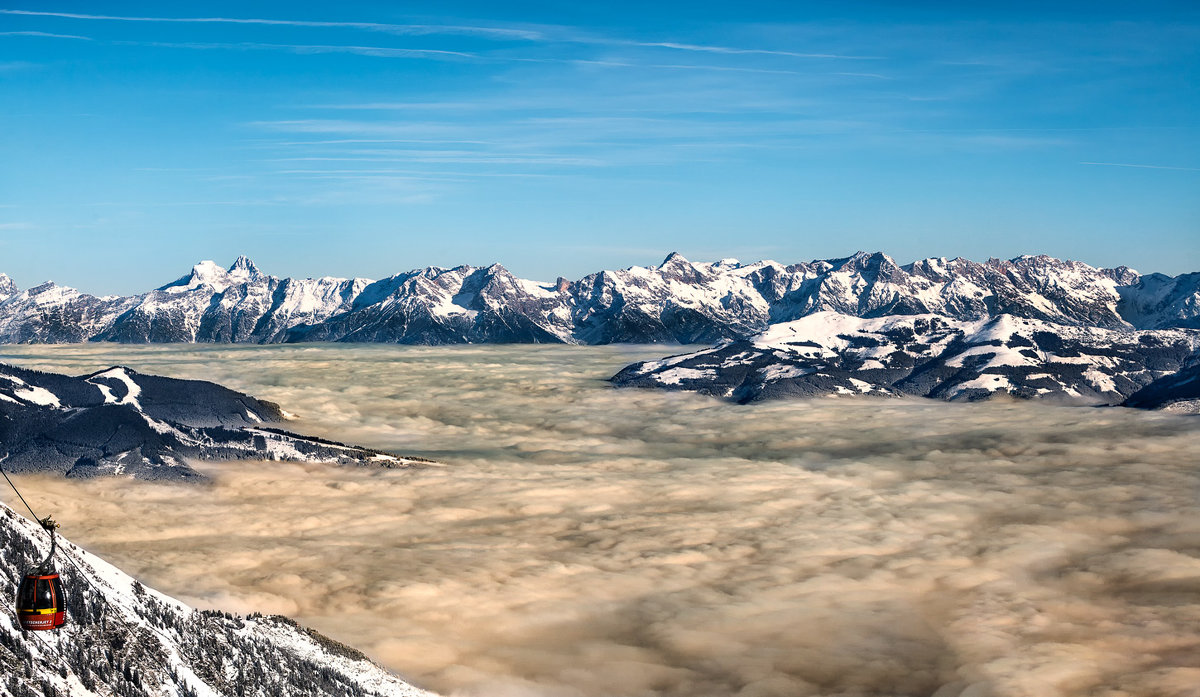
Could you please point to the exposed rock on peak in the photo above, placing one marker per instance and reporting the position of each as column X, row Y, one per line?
column 676, row 268
column 864, row 260
column 244, row 269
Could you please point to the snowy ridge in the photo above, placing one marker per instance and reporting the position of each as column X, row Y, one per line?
column 829, row 353
column 676, row 301
column 124, row 639
column 121, row 422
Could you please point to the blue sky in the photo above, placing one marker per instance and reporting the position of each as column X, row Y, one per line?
column 364, row 139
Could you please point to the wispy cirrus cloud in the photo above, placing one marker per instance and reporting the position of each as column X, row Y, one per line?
column 415, row 174
column 565, row 35
column 1125, row 164
column 376, row 141
column 670, row 66
column 367, row 128
column 172, row 204
column 410, row 29
column 45, row 35
column 442, row 54
column 453, row 158
column 728, row 50
column 375, row 51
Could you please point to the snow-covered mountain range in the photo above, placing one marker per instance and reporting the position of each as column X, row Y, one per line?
column 677, row 301
column 122, row 638
column 935, row 356
column 119, row 421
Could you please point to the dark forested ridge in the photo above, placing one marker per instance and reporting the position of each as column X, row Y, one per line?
column 122, row 422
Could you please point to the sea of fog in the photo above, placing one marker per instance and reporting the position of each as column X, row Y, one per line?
column 578, row 540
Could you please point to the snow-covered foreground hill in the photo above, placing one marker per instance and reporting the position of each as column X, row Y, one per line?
column 677, row 301
column 122, row 422
column 122, row 638
column 829, row 353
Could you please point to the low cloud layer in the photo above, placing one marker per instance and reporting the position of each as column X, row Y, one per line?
column 582, row 541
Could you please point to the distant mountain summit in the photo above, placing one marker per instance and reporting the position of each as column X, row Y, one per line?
column 677, row 301
column 210, row 274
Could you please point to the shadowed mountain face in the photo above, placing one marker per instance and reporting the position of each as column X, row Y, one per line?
column 677, row 301
column 119, row 421
column 1178, row 391
column 932, row 356
column 124, row 639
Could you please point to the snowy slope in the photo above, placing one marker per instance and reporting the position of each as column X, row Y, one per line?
column 121, row 422
column 828, row 353
column 448, row 306
column 239, row 304
column 1162, row 301
column 676, row 301
column 124, row 639
column 50, row 313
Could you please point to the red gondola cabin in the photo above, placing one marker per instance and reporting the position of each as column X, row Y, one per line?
column 41, row 603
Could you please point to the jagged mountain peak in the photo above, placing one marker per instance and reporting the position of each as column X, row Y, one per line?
column 1123, row 275
column 932, row 267
column 206, row 272
column 243, row 267
column 861, row 260
column 7, row 286
column 1033, row 261
column 678, row 269
column 674, row 258
column 210, row 274
column 207, row 268
column 50, row 287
